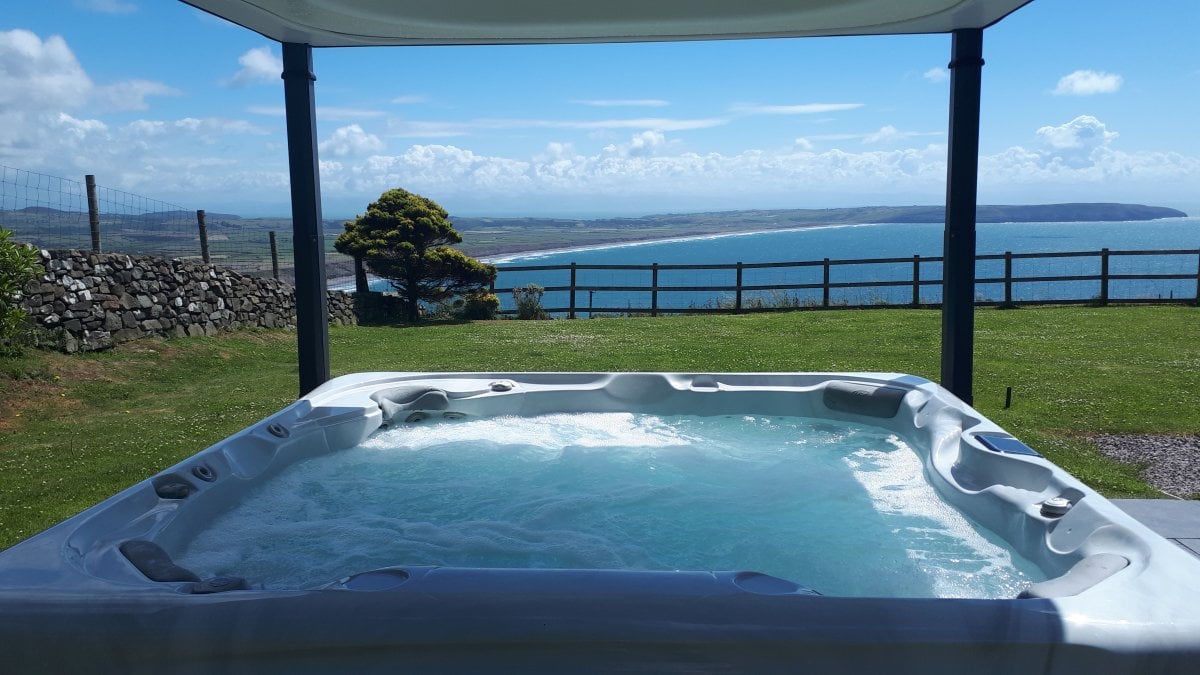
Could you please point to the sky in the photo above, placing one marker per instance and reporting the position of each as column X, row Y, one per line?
column 1092, row 100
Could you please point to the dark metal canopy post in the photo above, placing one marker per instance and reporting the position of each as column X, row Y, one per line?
column 962, row 181
column 312, row 311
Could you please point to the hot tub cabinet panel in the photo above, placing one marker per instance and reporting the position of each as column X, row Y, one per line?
column 104, row 591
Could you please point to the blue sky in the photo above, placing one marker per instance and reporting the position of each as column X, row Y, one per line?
column 1082, row 101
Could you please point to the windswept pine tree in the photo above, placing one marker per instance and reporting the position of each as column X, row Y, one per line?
column 406, row 239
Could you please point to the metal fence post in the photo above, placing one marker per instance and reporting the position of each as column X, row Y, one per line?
column 654, row 289
column 1104, row 276
column 571, row 310
column 825, row 285
column 93, row 211
column 200, row 222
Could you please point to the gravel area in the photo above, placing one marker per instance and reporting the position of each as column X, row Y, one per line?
column 1172, row 463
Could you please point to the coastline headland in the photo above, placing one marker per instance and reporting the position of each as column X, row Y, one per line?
column 495, row 237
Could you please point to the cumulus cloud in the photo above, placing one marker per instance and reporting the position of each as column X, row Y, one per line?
column 1087, row 83
column 43, row 89
column 351, row 141
column 937, row 75
column 1084, row 133
column 886, row 134
column 645, row 144
column 259, row 66
column 797, row 109
column 647, row 164
column 1078, row 159
column 37, row 74
column 1061, row 162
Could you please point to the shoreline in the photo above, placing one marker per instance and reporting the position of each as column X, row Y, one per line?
column 507, row 257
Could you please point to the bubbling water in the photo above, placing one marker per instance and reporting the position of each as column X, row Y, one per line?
column 841, row 508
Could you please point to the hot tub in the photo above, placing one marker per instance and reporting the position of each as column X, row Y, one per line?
column 244, row 557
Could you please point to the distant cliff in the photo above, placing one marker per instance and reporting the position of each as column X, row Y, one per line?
column 1041, row 213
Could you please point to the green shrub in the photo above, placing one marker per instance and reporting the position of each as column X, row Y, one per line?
column 529, row 302
column 479, row 306
column 18, row 264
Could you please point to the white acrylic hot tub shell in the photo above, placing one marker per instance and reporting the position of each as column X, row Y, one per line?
column 71, row 585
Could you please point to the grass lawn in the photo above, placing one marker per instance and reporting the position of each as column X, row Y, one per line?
column 76, row 429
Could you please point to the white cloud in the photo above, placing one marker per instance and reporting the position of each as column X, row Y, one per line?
column 36, row 74
column 1084, row 133
column 107, row 6
column 1072, row 161
column 410, row 99
column 351, row 141
column 259, row 66
column 937, row 75
column 1087, row 83
column 887, row 134
column 798, row 109
column 623, row 102
column 79, row 129
column 890, row 134
column 644, row 144
column 131, row 94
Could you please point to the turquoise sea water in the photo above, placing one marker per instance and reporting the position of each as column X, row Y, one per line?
column 873, row 241
column 841, row 508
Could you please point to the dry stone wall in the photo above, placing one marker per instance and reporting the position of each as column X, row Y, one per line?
column 100, row 299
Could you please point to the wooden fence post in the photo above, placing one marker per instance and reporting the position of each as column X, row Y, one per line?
column 200, row 223
column 1008, row 278
column 825, row 285
column 93, row 211
column 737, row 304
column 274, row 256
column 571, row 310
column 1104, row 276
column 916, row 299
column 654, row 289
column 1198, row 279
column 361, row 285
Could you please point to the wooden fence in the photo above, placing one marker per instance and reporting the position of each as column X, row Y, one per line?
column 740, row 291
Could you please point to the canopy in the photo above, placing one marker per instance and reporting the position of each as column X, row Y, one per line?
column 344, row 23
column 301, row 25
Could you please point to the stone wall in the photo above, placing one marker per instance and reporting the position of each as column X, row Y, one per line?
column 100, row 299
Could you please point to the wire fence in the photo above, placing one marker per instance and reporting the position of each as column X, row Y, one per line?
column 52, row 212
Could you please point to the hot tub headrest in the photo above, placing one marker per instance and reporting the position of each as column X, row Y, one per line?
column 863, row 398
column 409, row 398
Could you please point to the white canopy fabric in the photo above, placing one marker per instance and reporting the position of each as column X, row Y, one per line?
column 344, row 23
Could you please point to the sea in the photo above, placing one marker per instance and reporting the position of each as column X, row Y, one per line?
column 852, row 242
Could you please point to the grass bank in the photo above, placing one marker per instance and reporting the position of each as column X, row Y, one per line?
column 76, row 429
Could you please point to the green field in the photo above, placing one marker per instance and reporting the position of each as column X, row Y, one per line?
column 76, row 429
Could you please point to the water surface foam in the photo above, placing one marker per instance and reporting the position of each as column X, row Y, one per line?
column 841, row 508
